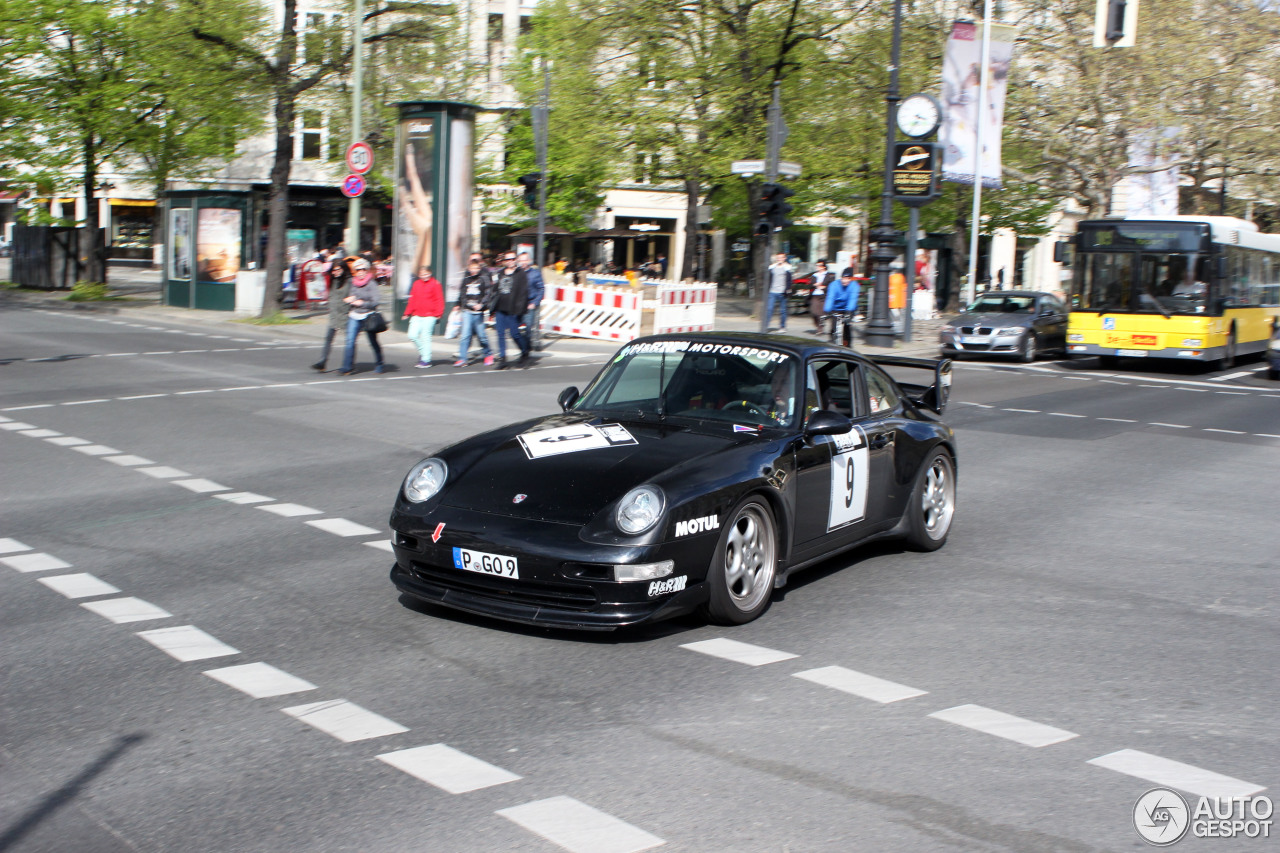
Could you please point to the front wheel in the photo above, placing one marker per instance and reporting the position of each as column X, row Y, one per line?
column 742, row 571
column 1029, row 350
column 1228, row 359
column 933, row 503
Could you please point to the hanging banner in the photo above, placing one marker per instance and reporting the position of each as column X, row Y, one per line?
column 961, row 82
column 1152, row 189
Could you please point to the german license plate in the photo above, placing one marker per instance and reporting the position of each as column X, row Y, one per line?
column 972, row 340
column 1132, row 353
column 486, row 564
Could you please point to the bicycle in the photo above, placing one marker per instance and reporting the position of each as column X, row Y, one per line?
column 845, row 320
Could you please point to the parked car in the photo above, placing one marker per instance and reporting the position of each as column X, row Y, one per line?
column 1020, row 323
column 694, row 472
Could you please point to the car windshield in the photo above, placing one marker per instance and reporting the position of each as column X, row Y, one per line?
column 1003, row 304
column 744, row 385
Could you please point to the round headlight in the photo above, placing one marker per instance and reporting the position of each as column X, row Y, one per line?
column 425, row 480
column 640, row 509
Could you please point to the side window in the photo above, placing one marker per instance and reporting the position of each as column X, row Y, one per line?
column 830, row 387
column 881, row 396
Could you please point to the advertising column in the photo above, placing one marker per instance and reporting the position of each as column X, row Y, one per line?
column 434, row 194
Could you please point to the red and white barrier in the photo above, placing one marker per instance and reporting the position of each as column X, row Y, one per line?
column 583, row 311
column 685, row 308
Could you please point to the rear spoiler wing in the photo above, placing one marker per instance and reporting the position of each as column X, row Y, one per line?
column 933, row 397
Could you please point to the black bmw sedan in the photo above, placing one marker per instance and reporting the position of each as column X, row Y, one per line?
column 695, row 472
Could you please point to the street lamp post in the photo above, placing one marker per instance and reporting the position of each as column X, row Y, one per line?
column 879, row 330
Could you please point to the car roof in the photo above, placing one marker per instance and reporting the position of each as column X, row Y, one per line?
column 797, row 346
column 1004, row 293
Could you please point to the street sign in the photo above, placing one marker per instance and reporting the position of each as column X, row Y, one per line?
column 359, row 158
column 747, row 168
column 353, row 186
column 915, row 172
column 787, row 169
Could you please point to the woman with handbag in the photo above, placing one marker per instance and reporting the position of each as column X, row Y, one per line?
column 362, row 303
column 426, row 304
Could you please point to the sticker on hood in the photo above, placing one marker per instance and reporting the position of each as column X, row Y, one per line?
column 571, row 439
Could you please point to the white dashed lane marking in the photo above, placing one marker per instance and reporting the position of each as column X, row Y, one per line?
column 128, row 460
column 341, row 527
column 260, row 680
column 1175, row 774
column 12, row 546
column 39, row 433
column 39, row 562
column 13, row 426
column 95, row 450
column 860, row 684
column 125, row 610
column 344, row 720
column 738, row 652
column 447, row 768
column 1170, row 426
column 68, row 441
column 80, row 585
column 289, row 510
column 243, row 498
column 1000, row 724
column 579, row 828
column 187, row 642
column 163, row 472
column 201, row 486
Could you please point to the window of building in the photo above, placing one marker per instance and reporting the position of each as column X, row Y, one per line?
column 312, row 135
column 319, row 36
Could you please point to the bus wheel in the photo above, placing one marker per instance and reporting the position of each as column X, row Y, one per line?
column 1228, row 359
column 1111, row 362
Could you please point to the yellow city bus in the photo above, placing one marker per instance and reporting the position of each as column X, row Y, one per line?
column 1198, row 288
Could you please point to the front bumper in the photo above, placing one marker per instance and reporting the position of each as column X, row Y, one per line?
column 951, row 345
column 564, row 581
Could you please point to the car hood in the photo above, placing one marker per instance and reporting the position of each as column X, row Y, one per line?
column 996, row 321
column 530, row 470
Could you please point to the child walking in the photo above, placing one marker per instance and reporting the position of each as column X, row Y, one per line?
column 425, row 306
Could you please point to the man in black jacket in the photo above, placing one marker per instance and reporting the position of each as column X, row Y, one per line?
column 511, row 298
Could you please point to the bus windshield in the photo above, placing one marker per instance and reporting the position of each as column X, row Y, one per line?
column 1146, row 283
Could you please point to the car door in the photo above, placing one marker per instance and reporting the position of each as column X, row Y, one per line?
column 1050, row 323
column 832, row 471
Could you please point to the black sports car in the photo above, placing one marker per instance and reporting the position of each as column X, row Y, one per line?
column 695, row 471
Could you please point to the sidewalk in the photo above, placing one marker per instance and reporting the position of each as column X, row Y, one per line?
column 139, row 291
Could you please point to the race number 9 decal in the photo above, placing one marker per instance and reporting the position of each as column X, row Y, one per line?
column 849, row 466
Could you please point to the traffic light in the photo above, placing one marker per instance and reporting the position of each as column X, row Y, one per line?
column 530, row 184
column 774, row 206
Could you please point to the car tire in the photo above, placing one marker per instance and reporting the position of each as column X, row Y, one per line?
column 1228, row 359
column 740, row 578
column 1273, row 373
column 1029, row 350
column 933, row 503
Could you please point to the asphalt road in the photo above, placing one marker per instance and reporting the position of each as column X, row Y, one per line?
column 1109, row 583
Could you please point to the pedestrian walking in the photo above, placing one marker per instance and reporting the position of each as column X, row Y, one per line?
column 475, row 297
column 361, row 302
column 537, row 288
column 339, row 288
column 510, row 301
column 779, row 282
column 822, row 279
column 425, row 306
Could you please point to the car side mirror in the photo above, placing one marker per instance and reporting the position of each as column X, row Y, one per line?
column 567, row 398
column 826, row 422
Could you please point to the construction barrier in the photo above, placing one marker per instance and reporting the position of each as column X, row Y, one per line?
column 685, row 308
column 585, row 311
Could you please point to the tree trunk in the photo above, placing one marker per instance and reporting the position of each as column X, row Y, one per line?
column 959, row 262
column 692, row 233
column 91, row 248
column 278, row 194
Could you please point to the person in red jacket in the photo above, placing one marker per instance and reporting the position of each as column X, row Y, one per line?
column 425, row 306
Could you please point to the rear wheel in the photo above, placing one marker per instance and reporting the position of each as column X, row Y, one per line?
column 742, row 570
column 933, row 503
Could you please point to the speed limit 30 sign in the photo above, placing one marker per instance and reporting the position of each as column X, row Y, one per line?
column 359, row 157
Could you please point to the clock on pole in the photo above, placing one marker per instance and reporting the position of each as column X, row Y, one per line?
column 919, row 115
